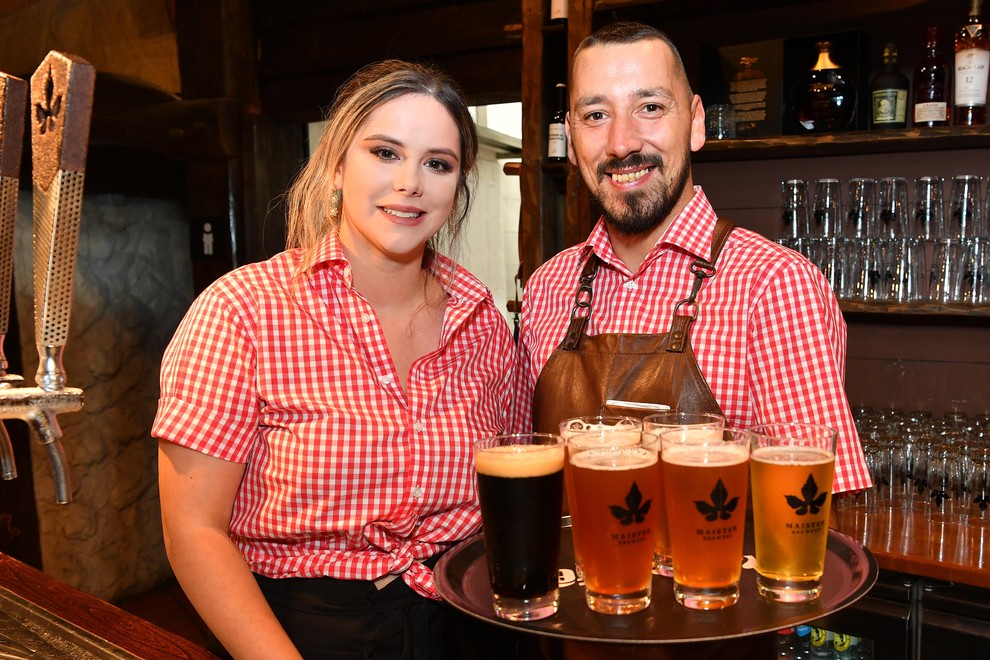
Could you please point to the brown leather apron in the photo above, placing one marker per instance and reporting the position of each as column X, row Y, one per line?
column 586, row 371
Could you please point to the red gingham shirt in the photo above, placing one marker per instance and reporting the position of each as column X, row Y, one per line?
column 346, row 475
column 769, row 338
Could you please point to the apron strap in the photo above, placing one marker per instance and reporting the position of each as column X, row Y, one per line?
column 582, row 300
column 680, row 324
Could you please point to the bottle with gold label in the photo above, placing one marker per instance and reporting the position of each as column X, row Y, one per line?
column 889, row 92
column 972, row 44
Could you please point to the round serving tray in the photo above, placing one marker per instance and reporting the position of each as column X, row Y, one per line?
column 461, row 576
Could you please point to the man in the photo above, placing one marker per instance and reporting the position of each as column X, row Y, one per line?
column 769, row 337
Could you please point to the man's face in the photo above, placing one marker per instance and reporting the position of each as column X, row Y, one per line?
column 631, row 128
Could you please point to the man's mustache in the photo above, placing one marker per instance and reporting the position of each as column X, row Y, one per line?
column 632, row 162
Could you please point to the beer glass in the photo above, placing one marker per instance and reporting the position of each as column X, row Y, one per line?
column 698, row 425
column 792, row 467
column 860, row 221
column 893, row 210
column 520, row 486
column 929, row 210
column 794, row 219
column 705, row 481
column 826, row 216
column 612, row 490
column 599, row 430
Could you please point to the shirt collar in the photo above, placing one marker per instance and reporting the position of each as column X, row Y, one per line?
column 690, row 232
column 456, row 281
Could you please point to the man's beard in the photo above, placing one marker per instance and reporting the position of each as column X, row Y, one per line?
column 639, row 212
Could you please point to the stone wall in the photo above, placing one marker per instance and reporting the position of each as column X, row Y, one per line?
column 133, row 284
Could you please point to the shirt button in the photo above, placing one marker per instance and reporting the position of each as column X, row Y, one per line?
column 366, row 318
column 630, row 285
column 417, row 492
column 418, row 426
column 385, row 380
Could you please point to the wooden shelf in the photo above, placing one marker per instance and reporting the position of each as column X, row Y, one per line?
column 850, row 143
column 917, row 309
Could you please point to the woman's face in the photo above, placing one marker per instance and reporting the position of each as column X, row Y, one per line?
column 399, row 178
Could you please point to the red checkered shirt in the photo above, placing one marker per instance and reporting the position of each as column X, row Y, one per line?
column 346, row 476
column 769, row 337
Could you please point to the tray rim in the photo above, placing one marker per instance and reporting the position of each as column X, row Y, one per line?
column 869, row 573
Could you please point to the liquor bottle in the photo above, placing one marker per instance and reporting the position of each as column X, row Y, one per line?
column 972, row 60
column 826, row 98
column 558, row 11
column 931, row 107
column 889, row 91
column 556, row 137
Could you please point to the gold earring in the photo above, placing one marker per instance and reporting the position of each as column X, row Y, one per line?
column 452, row 224
column 335, row 203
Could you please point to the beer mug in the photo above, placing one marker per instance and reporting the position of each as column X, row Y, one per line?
column 705, row 481
column 612, row 487
column 598, row 429
column 792, row 466
column 520, row 487
column 700, row 425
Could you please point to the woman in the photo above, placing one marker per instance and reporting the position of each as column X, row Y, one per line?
column 317, row 409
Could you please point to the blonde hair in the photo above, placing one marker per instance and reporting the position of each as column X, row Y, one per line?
column 309, row 197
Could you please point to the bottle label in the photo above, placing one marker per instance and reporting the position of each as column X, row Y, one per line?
column 557, row 142
column 932, row 111
column 972, row 67
column 558, row 10
column 889, row 106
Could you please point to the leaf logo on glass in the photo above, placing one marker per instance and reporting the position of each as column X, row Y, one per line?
column 721, row 507
column 635, row 509
column 811, row 501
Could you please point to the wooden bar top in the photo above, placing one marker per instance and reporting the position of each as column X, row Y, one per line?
column 101, row 620
column 908, row 541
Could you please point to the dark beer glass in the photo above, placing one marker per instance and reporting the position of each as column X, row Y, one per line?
column 520, row 485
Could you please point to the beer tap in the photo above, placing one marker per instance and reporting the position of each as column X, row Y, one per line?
column 13, row 101
column 61, row 94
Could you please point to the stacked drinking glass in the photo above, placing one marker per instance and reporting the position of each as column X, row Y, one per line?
column 873, row 245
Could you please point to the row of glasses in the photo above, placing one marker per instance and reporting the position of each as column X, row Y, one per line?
column 938, row 466
column 626, row 479
column 943, row 270
column 875, row 208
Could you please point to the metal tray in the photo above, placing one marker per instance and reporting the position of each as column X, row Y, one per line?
column 461, row 576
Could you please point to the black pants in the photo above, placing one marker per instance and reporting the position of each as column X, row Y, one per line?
column 335, row 619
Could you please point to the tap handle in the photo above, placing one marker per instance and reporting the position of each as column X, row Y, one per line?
column 13, row 103
column 61, row 106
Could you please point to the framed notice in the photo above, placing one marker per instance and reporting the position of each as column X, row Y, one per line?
column 750, row 77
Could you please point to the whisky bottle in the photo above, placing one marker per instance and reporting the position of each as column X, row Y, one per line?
column 889, row 93
column 931, row 95
column 556, row 136
column 972, row 44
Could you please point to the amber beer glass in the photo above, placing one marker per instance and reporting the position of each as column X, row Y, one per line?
column 520, row 485
column 792, row 466
column 612, row 492
column 698, row 425
column 705, row 481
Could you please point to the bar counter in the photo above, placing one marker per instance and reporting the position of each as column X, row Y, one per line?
column 43, row 617
column 908, row 541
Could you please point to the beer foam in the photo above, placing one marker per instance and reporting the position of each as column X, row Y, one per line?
column 520, row 460
column 603, row 435
column 622, row 458
column 715, row 455
column 792, row 455
column 689, row 435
